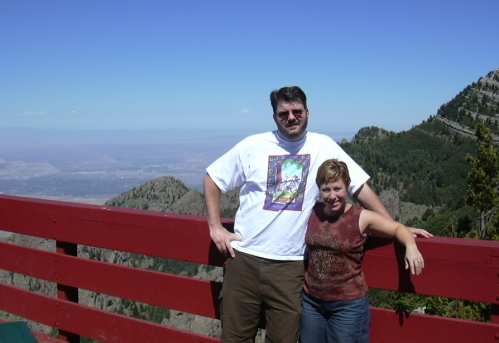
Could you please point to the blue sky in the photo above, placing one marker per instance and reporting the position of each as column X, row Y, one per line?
column 211, row 64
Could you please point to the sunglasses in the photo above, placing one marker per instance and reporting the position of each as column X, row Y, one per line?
column 284, row 115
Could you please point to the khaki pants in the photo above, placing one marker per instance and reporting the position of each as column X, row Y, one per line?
column 254, row 285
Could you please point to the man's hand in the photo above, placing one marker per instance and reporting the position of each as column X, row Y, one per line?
column 219, row 235
column 222, row 238
column 422, row 233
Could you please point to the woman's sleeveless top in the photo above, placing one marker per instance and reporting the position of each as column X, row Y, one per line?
column 333, row 260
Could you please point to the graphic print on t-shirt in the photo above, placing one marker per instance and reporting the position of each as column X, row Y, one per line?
column 286, row 181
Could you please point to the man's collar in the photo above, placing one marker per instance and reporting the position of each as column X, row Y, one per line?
column 291, row 141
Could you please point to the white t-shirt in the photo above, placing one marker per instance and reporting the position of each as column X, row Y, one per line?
column 278, row 189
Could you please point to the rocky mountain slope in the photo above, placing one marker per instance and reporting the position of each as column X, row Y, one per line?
column 478, row 101
column 426, row 166
column 167, row 194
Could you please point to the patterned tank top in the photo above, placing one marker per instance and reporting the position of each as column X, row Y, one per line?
column 335, row 249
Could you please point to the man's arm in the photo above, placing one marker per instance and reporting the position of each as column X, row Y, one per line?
column 219, row 235
column 370, row 200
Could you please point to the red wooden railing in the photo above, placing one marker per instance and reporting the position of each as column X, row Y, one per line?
column 455, row 268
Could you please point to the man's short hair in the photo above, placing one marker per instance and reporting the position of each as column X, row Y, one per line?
column 332, row 170
column 288, row 94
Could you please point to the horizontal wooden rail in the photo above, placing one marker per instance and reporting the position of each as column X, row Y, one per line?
column 90, row 322
column 183, row 238
column 389, row 326
column 154, row 288
column 455, row 268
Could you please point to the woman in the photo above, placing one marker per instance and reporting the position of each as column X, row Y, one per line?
column 335, row 304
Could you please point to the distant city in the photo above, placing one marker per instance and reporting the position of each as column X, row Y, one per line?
column 94, row 166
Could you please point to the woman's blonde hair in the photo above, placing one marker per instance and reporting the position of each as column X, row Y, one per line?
column 332, row 170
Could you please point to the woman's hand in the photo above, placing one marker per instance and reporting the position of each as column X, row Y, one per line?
column 413, row 259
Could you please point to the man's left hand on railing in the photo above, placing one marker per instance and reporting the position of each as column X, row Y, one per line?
column 421, row 233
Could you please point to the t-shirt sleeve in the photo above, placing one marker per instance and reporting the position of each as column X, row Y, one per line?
column 358, row 176
column 227, row 171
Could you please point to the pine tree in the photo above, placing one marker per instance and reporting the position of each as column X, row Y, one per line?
column 483, row 178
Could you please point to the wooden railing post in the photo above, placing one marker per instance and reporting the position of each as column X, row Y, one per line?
column 65, row 292
column 494, row 316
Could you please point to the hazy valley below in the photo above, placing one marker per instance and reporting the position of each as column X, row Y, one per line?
column 94, row 166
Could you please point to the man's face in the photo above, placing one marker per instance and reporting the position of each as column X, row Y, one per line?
column 291, row 119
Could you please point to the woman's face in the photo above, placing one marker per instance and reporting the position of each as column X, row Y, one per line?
column 334, row 195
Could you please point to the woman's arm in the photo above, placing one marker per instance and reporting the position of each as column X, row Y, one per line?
column 372, row 221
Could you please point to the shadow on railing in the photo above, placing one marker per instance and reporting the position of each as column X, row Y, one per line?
column 455, row 268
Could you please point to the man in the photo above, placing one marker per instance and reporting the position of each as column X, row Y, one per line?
column 276, row 172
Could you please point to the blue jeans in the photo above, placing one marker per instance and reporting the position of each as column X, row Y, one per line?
column 335, row 321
